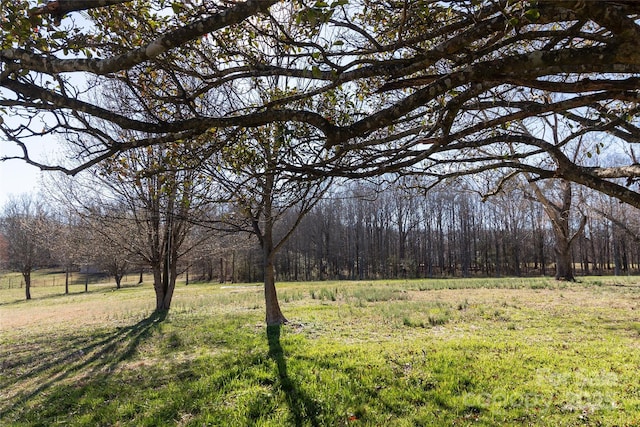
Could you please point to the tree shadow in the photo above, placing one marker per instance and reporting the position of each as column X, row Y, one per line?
column 303, row 408
column 81, row 356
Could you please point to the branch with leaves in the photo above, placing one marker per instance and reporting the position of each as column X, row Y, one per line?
column 425, row 83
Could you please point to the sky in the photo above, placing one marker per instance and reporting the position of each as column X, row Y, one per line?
column 16, row 176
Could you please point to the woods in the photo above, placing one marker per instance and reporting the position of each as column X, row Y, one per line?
column 361, row 231
column 445, row 234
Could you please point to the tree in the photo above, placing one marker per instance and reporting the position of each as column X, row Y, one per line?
column 262, row 195
column 161, row 201
column 90, row 230
column 558, row 206
column 437, row 83
column 23, row 224
column 140, row 208
column 67, row 242
column 113, row 232
column 559, row 213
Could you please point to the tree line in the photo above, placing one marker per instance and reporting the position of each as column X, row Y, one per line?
column 360, row 234
column 360, row 230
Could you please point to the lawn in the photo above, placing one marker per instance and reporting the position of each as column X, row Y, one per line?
column 481, row 352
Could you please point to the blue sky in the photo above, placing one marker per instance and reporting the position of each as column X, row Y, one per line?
column 17, row 177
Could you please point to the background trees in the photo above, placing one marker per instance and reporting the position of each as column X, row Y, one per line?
column 357, row 231
column 24, row 228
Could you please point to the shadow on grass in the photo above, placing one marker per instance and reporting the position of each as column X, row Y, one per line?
column 34, row 373
column 303, row 408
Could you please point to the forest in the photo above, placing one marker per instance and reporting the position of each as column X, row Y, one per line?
column 360, row 230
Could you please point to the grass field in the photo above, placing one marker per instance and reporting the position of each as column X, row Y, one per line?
column 481, row 352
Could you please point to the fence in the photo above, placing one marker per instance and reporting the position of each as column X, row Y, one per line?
column 38, row 280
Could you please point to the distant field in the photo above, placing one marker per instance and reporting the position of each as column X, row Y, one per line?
column 481, row 352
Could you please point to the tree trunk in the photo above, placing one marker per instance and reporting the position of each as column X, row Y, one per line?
column 233, row 266
column 66, row 281
column 274, row 315
column 564, row 267
column 170, row 282
column 27, row 284
column 543, row 264
column 164, row 278
column 164, row 292
column 157, row 286
column 163, row 297
column 617, row 264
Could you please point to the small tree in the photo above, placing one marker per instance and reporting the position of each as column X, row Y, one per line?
column 114, row 260
column 66, row 237
column 153, row 201
column 261, row 193
column 22, row 225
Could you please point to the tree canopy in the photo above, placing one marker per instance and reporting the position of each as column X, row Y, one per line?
column 429, row 87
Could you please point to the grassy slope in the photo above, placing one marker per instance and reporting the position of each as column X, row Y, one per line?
column 438, row 352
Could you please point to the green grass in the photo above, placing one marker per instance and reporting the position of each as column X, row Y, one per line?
column 482, row 352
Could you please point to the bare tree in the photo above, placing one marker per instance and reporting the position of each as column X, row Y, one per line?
column 67, row 240
column 139, row 209
column 559, row 212
column 155, row 205
column 112, row 234
column 23, row 226
column 558, row 206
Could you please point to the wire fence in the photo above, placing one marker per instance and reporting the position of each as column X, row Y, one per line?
column 16, row 281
